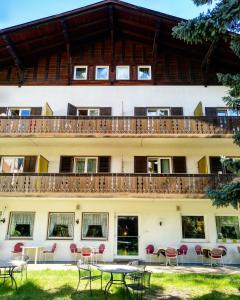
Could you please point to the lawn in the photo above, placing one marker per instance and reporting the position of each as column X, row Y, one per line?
column 49, row 284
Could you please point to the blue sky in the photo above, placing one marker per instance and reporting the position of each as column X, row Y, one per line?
column 13, row 12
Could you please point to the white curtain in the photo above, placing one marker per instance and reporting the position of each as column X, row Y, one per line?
column 66, row 219
column 100, row 219
column 21, row 218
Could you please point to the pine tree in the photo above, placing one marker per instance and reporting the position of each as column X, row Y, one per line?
column 222, row 22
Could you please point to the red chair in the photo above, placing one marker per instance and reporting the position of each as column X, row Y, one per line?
column 150, row 252
column 171, row 253
column 74, row 250
column 224, row 249
column 101, row 250
column 87, row 254
column 199, row 251
column 49, row 251
column 17, row 249
column 216, row 255
column 182, row 251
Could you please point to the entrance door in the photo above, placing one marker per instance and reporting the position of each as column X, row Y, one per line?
column 127, row 236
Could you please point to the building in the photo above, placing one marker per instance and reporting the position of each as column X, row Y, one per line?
column 111, row 130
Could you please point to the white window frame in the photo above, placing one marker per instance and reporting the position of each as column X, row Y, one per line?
column 75, row 72
column 97, row 67
column 159, row 164
column 86, row 163
column 88, row 111
column 229, row 241
column 11, row 157
column 119, row 67
column 158, row 110
column 20, row 237
column 95, row 238
column 194, row 240
column 150, row 72
column 60, row 238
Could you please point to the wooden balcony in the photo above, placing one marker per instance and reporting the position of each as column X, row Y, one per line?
column 110, row 185
column 71, row 126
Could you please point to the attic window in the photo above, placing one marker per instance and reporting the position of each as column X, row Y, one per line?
column 80, row 72
column 102, row 73
column 144, row 73
column 23, row 112
column 122, row 73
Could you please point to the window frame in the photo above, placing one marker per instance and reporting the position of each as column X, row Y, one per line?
column 150, row 72
column 86, row 164
column 228, row 241
column 122, row 66
column 60, row 238
column 194, row 240
column 94, row 238
column 96, row 73
column 158, row 109
column 159, row 164
column 88, row 110
column 13, row 157
column 8, row 237
column 75, row 72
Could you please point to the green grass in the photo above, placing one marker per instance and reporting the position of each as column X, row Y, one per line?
column 48, row 285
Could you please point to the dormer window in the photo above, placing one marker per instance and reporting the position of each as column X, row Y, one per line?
column 80, row 72
column 23, row 112
column 90, row 112
column 102, row 73
column 144, row 73
column 122, row 73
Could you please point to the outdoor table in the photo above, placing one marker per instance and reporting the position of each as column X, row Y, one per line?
column 122, row 270
column 37, row 248
column 8, row 269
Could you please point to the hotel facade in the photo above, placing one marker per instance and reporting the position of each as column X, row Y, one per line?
column 111, row 131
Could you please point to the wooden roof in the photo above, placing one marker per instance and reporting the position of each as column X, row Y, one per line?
column 22, row 43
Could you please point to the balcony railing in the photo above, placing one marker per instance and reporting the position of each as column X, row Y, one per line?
column 139, row 185
column 118, row 126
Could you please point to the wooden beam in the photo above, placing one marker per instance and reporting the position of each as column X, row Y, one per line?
column 17, row 61
column 112, row 35
column 155, row 51
column 68, row 49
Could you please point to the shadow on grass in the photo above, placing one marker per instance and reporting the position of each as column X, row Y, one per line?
column 30, row 291
column 214, row 295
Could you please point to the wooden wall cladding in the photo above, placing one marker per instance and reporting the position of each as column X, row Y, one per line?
column 169, row 67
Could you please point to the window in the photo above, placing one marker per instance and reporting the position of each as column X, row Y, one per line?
column 193, row 227
column 228, row 227
column 21, row 225
column 159, row 165
column 122, row 73
column 12, row 164
column 85, row 165
column 158, row 112
column 80, row 73
column 224, row 112
column 60, row 225
column 102, row 73
column 93, row 112
column 95, row 226
column 144, row 73
column 23, row 112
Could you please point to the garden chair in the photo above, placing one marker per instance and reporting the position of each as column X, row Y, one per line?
column 49, row 251
column 85, row 273
column 182, row 251
column 87, row 254
column 141, row 268
column 216, row 255
column 199, row 252
column 150, row 252
column 74, row 250
column 22, row 264
column 17, row 249
column 171, row 254
column 141, row 285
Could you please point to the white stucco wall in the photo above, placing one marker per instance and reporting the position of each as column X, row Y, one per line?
column 122, row 99
column 149, row 211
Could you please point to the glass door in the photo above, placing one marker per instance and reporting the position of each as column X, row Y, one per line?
column 127, row 236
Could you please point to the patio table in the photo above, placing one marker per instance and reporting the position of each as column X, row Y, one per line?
column 37, row 248
column 8, row 269
column 113, row 270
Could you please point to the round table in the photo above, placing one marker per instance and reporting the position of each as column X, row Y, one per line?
column 122, row 270
column 8, row 268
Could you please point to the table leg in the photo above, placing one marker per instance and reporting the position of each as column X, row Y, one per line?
column 12, row 277
column 23, row 252
column 36, row 256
